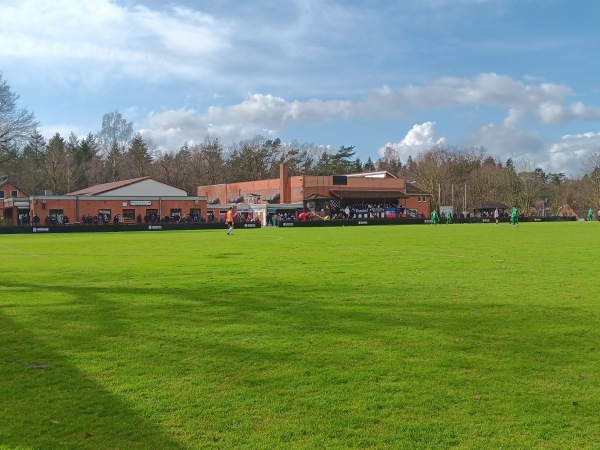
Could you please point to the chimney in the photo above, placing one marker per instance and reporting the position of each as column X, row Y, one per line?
column 285, row 191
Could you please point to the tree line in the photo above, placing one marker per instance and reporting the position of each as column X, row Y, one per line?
column 453, row 176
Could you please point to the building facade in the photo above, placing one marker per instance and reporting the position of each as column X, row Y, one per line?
column 322, row 194
column 132, row 201
column 14, row 204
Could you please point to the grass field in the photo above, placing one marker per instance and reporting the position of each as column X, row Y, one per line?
column 460, row 336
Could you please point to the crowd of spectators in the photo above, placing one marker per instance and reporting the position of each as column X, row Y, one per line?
column 174, row 218
column 346, row 212
column 94, row 220
column 105, row 219
column 56, row 219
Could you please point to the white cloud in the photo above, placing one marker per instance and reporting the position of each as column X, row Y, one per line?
column 504, row 141
column 256, row 114
column 259, row 112
column 182, row 31
column 567, row 154
column 556, row 113
column 419, row 138
column 99, row 36
column 170, row 129
column 515, row 115
column 488, row 89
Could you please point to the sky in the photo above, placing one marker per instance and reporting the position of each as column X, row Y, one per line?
column 518, row 78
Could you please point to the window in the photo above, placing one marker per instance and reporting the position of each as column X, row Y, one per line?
column 175, row 212
column 2, row 194
column 56, row 216
column 422, row 199
column 14, row 194
column 340, row 180
column 104, row 212
column 151, row 216
column 129, row 214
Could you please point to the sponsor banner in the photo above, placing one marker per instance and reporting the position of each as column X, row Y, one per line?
column 390, row 213
column 140, row 203
column 41, row 230
column 445, row 210
column 155, row 227
column 288, row 224
column 249, row 225
column 363, row 222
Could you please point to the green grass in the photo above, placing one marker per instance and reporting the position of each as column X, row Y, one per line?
column 460, row 336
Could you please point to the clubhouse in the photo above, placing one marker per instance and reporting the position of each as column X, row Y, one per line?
column 379, row 195
column 131, row 201
column 370, row 194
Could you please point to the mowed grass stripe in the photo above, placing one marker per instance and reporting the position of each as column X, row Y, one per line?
column 466, row 336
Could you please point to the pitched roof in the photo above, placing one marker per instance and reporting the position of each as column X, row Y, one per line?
column 413, row 189
column 106, row 187
column 317, row 197
column 2, row 183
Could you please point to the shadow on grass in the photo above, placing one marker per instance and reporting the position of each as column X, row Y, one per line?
column 48, row 403
column 230, row 344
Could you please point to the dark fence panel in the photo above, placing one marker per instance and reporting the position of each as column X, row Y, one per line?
column 76, row 228
column 367, row 222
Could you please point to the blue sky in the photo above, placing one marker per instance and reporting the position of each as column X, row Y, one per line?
column 517, row 77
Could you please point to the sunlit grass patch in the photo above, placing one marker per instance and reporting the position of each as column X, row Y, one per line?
column 471, row 336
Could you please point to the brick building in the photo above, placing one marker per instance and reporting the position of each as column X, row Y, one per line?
column 133, row 200
column 14, row 204
column 320, row 193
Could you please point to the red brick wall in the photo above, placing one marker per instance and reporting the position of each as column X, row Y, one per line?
column 8, row 187
column 74, row 211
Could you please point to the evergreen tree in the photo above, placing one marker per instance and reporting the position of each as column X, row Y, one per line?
column 369, row 165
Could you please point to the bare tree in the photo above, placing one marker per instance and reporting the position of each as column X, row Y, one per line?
column 529, row 186
column 488, row 182
column 115, row 135
column 175, row 168
column 208, row 160
column 590, row 182
column 16, row 125
column 431, row 170
column 253, row 159
column 390, row 161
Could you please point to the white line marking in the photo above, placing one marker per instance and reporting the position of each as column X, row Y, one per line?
column 21, row 252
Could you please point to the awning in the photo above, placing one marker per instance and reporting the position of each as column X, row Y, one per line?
column 239, row 199
column 273, row 208
column 369, row 195
column 214, row 201
column 272, row 198
column 313, row 197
